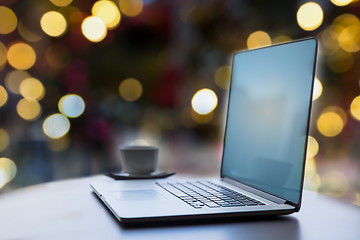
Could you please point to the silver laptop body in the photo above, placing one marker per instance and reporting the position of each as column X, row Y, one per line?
column 264, row 144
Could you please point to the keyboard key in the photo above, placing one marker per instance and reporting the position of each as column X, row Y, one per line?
column 212, row 204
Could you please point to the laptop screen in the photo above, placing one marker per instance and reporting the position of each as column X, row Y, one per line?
column 268, row 117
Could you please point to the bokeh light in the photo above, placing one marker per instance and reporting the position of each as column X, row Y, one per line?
column 8, row 20
column 13, row 80
column 131, row 8
column 310, row 16
column 317, row 89
column 349, row 39
column 94, row 29
column 345, row 20
column 7, row 171
column 130, row 89
column 204, row 101
column 3, row 96
column 21, row 56
column 312, row 147
column 108, row 12
column 330, row 124
column 28, row 109
column 355, row 108
column 28, row 34
column 4, row 139
column 53, row 24
column 341, row 3
column 258, row 39
column 56, row 126
column 3, row 58
column 71, row 105
column 222, row 77
column 32, row 88
column 61, row 3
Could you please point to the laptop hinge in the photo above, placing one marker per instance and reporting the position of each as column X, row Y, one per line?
column 254, row 191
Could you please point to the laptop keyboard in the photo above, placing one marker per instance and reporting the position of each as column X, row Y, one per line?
column 200, row 194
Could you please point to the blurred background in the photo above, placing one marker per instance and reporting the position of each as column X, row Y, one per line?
column 80, row 78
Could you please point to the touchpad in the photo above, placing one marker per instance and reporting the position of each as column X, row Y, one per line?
column 137, row 195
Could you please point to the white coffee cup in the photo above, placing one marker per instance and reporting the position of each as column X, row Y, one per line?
column 139, row 159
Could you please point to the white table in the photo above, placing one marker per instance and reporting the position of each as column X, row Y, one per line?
column 70, row 210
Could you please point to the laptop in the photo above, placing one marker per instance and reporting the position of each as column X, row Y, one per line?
column 264, row 150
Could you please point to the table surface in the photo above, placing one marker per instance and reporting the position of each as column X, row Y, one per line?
column 70, row 210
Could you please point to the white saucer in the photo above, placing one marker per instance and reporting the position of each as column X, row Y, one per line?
column 126, row 176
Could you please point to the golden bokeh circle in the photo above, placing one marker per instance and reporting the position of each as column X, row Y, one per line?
column 355, row 108
column 8, row 20
column 330, row 124
column 13, row 80
column 349, row 38
column 61, row 3
column 94, row 29
column 258, row 39
column 310, row 16
column 32, row 88
column 108, row 12
column 21, row 56
column 130, row 89
column 222, row 77
column 131, row 8
column 28, row 109
column 3, row 96
column 53, row 24
column 341, row 3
